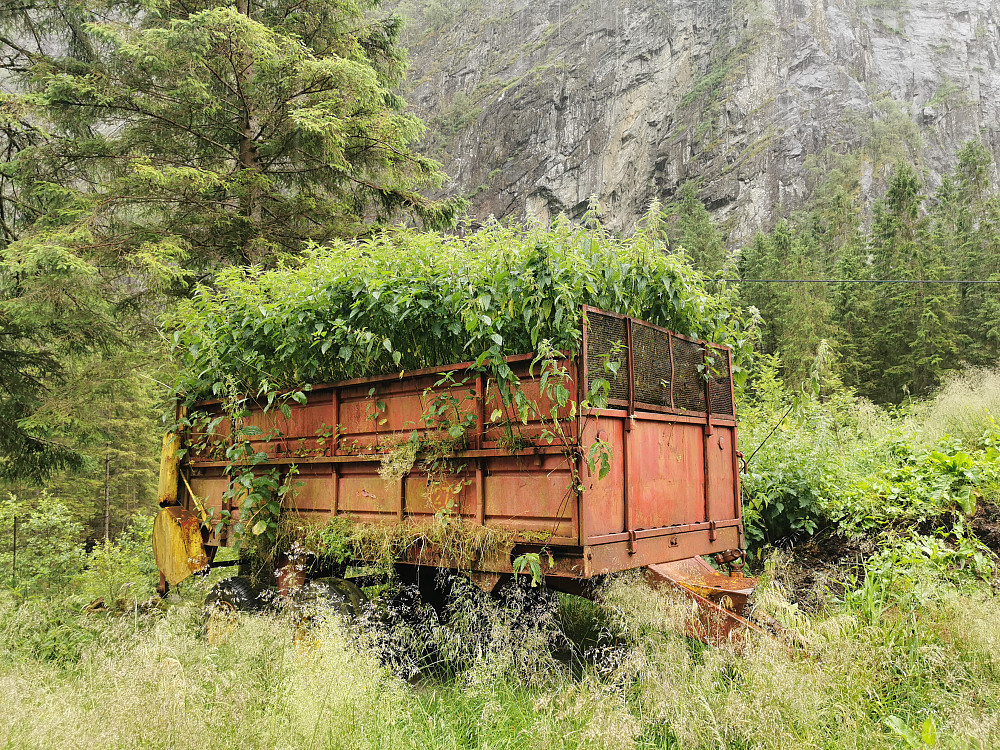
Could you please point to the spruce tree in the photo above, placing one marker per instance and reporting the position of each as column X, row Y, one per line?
column 796, row 316
column 966, row 218
column 217, row 132
column 149, row 142
column 914, row 326
column 690, row 225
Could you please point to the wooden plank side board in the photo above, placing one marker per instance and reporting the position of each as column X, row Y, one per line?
column 386, row 412
column 529, row 493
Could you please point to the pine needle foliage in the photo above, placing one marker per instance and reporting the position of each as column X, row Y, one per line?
column 405, row 300
column 212, row 130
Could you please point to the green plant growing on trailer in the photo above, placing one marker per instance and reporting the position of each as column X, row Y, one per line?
column 406, row 300
column 532, row 562
column 554, row 383
column 258, row 494
column 459, row 543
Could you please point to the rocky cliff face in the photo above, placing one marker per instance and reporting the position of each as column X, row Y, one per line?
column 534, row 107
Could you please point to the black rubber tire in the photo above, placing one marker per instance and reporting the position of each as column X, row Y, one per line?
column 438, row 588
column 337, row 594
column 238, row 592
column 223, row 604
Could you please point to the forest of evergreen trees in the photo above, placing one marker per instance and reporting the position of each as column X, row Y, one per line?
column 886, row 340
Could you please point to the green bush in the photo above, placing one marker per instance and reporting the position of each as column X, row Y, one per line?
column 921, row 483
column 49, row 551
column 840, row 464
column 121, row 571
column 818, row 448
column 406, row 300
column 46, row 629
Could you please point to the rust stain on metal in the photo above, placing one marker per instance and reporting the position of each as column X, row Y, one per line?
column 721, row 599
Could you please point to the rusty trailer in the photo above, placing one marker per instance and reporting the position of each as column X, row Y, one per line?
column 671, row 490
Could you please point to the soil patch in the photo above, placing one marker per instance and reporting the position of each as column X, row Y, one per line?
column 985, row 524
column 817, row 568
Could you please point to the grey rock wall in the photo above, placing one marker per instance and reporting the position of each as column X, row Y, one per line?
column 535, row 106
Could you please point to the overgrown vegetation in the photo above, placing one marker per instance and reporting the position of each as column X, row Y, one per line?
column 406, row 300
column 445, row 539
column 841, row 467
column 899, row 638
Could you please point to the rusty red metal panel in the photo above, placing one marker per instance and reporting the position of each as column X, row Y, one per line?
column 615, row 556
column 314, row 489
column 365, row 492
column 721, row 456
column 452, row 495
column 534, row 495
column 669, row 480
column 602, row 504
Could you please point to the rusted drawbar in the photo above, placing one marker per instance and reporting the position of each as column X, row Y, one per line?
column 671, row 490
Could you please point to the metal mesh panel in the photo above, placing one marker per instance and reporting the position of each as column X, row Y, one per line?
column 720, row 387
column 689, row 388
column 669, row 371
column 651, row 362
column 606, row 342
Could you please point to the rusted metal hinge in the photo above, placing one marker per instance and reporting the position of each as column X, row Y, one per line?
column 632, row 541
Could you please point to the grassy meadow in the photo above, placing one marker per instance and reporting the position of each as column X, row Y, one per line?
column 875, row 558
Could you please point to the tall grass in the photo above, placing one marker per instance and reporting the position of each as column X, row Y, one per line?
column 966, row 406
column 899, row 649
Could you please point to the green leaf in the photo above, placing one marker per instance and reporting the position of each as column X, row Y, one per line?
column 928, row 732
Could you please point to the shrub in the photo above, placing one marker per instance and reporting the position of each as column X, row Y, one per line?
column 921, row 483
column 121, row 571
column 406, row 300
column 49, row 545
column 819, row 447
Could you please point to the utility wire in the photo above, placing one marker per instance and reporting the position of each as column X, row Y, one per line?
column 862, row 281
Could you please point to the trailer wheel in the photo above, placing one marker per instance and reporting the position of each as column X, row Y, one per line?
column 334, row 594
column 224, row 601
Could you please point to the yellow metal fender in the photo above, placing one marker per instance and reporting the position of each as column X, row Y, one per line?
column 166, row 493
column 177, row 544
